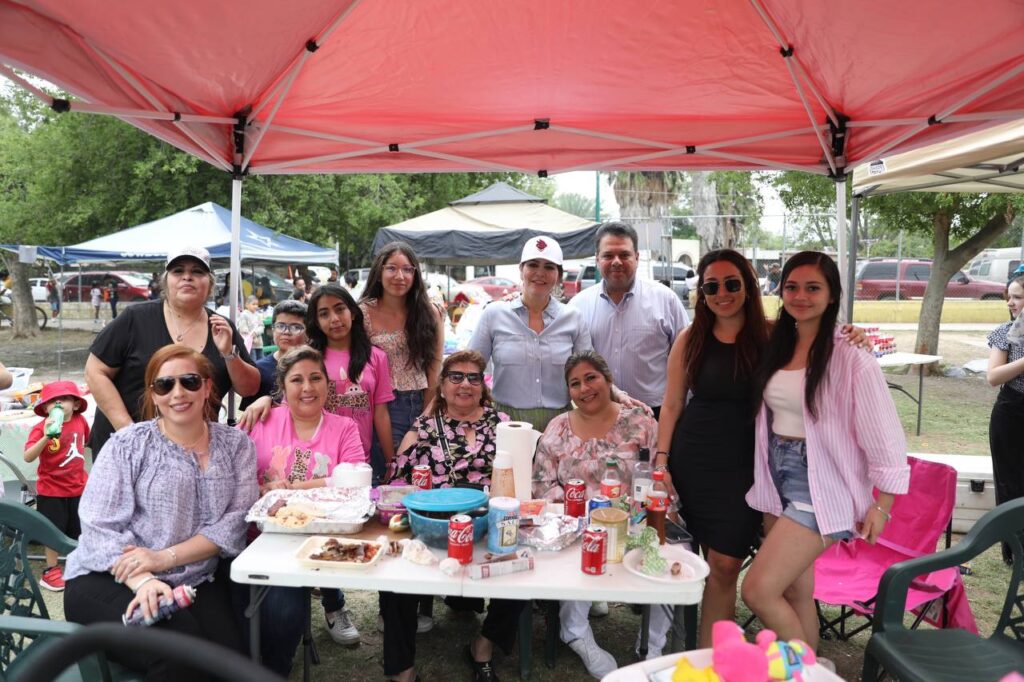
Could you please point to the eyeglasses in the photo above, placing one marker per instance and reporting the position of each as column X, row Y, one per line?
column 286, row 328
column 457, row 378
column 164, row 385
column 731, row 285
column 406, row 270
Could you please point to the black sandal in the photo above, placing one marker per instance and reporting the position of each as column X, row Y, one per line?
column 482, row 672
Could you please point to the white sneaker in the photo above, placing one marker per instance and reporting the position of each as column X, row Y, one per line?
column 599, row 609
column 597, row 661
column 827, row 664
column 341, row 627
column 423, row 624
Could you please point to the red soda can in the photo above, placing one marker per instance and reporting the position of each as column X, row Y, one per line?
column 575, row 498
column 421, row 477
column 460, row 538
column 595, row 543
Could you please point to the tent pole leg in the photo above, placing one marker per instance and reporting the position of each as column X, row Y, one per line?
column 851, row 265
column 236, row 269
column 841, row 240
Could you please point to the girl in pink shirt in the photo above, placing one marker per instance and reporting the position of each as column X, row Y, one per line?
column 827, row 432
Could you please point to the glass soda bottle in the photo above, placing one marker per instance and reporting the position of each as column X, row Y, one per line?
column 611, row 482
column 657, row 504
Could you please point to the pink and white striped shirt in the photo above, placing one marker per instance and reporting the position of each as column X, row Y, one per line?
column 856, row 443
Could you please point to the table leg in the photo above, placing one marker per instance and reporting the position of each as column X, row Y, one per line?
column 256, row 595
column 645, row 626
column 552, row 625
column 920, row 395
column 526, row 641
column 690, row 622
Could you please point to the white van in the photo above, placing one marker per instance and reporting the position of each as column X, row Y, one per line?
column 995, row 265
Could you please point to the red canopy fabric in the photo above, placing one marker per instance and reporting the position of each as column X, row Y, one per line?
column 531, row 85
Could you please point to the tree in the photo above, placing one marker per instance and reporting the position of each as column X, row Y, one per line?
column 646, row 199
column 959, row 226
column 577, row 204
column 725, row 205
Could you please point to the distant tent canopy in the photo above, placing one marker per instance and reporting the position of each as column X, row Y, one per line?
column 489, row 228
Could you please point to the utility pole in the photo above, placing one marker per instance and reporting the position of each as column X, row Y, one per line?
column 597, row 196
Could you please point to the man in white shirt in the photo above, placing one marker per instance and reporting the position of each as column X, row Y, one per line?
column 633, row 322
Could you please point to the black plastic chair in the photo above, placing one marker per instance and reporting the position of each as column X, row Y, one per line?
column 936, row 655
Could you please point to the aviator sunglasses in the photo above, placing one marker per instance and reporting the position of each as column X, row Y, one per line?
column 164, row 385
column 731, row 285
column 458, row 377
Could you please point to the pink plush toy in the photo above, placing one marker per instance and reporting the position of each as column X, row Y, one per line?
column 734, row 658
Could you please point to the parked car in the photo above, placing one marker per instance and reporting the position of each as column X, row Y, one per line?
column 496, row 287
column 39, row 290
column 995, row 265
column 682, row 278
column 269, row 286
column 570, row 283
column 131, row 286
column 876, row 281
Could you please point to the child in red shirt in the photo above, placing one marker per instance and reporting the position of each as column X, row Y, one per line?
column 61, row 474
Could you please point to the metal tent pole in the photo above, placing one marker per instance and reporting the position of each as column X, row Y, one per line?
column 236, row 267
column 851, row 264
column 60, row 315
column 841, row 240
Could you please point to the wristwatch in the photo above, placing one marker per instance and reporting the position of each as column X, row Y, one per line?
column 230, row 355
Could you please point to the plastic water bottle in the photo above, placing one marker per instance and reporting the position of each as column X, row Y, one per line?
column 641, row 485
column 55, row 421
column 611, row 481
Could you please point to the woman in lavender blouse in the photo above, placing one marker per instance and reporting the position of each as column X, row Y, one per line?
column 163, row 505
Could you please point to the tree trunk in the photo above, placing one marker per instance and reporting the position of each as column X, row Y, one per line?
column 704, row 203
column 25, row 324
column 947, row 263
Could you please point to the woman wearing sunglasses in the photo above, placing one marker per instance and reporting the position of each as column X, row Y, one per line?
column 164, row 504
column 297, row 447
column 457, row 440
column 578, row 444
column 707, row 439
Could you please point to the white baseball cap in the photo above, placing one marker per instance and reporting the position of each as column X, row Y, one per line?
column 542, row 247
column 195, row 252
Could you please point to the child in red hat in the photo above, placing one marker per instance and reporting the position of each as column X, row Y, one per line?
column 61, row 474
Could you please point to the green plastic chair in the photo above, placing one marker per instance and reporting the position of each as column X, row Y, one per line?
column 937, row 655
column 25, row 626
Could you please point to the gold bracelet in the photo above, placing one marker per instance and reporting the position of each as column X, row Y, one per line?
column 888, row 516
column 174, row 556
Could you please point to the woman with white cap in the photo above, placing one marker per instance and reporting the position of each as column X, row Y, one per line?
column 117, row 359
column 529, row 339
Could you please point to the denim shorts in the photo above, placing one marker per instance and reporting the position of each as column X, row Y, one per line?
column 787, row 461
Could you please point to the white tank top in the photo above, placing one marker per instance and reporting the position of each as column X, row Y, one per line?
column 784, row 395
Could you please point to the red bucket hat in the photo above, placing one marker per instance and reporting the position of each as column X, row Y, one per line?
column 59, row 389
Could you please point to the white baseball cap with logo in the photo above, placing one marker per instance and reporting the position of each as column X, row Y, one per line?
column 194, row 252
column 544, row 248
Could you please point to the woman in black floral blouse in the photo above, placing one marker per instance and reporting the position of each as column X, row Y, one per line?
column 457, row 440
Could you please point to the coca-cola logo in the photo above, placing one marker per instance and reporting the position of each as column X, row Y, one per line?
column 461, row 536
column 593, row 545
column 574, row 495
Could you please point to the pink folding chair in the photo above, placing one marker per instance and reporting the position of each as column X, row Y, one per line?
column 847, row 574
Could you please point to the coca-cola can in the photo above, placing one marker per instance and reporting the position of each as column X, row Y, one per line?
column 460, row 538
column 593, row 557
column 576, row 498
column 421, row 477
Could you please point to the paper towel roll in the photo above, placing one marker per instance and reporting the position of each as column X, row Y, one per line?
column 347, row 475
column 519, row 439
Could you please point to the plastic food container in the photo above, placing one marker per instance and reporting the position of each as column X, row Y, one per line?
column 389, row 501
column 429, row 511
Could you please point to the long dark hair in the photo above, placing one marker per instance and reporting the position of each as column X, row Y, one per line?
column 359, row 348
column 421, row 328
column 751, row 338
column 783, row 339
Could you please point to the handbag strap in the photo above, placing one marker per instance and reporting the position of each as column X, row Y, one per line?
column 449, row 460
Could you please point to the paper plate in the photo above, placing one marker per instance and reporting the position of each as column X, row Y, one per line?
column 694, row 568
column 445, row 500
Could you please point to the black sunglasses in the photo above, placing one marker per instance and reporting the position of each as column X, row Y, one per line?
column 731, row 285
column 164, row 385
column 458, row 377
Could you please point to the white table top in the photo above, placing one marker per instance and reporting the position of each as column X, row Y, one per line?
column 900, row 358
column 270, row 560
column 701, row 658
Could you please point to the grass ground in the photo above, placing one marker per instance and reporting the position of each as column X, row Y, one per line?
column 955, row 420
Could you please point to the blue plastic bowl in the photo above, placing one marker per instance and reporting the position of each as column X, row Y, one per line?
column 434, row 532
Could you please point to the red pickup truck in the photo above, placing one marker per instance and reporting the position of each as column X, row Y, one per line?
column 876, row 281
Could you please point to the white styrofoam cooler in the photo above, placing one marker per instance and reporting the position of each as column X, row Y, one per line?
column 975, row 490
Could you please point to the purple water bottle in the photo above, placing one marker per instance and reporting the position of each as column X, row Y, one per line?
column 182, row 597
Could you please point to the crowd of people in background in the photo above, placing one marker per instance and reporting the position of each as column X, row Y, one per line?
column 770, row 431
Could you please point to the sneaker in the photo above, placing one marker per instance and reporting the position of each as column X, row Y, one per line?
column 342, row 629
column 596, row 660
column 53, row 579
column 651, row 654
column 599, row 609
column 482, row 672
column 423, row 624
column 827, row 664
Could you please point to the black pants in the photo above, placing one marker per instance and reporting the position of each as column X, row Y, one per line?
column 1007, row 446
column 96, row 598
column 399, row 613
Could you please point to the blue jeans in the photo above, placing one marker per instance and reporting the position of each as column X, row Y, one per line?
column 787, row 461
column 282, row 622
column 403, row 410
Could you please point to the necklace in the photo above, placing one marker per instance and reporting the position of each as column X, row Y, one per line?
column 188, row 448
column 181, row 334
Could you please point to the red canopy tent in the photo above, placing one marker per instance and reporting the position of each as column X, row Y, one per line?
column 533, row 85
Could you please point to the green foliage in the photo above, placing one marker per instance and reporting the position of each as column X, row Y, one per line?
column 578, row 205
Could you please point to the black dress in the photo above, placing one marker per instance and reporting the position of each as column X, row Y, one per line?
column 712, row 455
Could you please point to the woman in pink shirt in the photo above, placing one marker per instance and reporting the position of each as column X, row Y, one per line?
column 297, row 446
column 827, row 432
